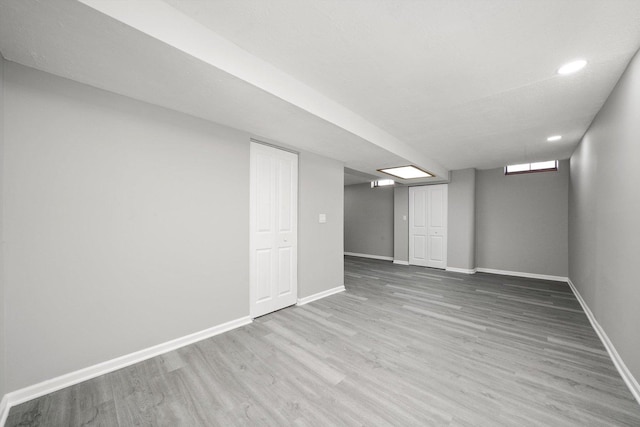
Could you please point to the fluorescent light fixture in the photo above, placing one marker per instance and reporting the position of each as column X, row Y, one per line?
column 572, row 67
column 382, row 183
column 554, row 138
column 407, row 172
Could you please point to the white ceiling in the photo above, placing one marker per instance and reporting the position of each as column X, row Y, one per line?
column 443, row 84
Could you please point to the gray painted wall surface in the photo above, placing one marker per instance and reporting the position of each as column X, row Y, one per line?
column 604, row 217
column 368, row 220
column 401, row 223
column 522, row 221
column 461, row 249
column 3, row 369
column 126, row 225
column 321, row 246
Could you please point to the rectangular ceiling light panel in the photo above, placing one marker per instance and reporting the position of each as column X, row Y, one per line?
column 407, row 172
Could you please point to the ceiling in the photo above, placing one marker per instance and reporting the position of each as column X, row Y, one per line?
column 442, row 84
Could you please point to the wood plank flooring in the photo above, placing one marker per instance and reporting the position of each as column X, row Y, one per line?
column 402, row 346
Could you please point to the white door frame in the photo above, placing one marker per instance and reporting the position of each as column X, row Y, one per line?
column 273, row 235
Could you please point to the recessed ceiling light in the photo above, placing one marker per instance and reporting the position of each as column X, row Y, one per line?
column 407, row 172
column 554, row 138
column 572, row 67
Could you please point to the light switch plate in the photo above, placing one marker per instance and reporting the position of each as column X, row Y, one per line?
column 322, row 218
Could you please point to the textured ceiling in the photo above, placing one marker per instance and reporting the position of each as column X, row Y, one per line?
column 444, row 84
column 471, row 83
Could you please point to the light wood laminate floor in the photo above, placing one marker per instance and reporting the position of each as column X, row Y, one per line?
column 402, row 346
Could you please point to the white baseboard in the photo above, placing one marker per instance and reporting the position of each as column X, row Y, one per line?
column 398, row 261
column 521, row 274
column 4, row 410
column 49, row 386
column 462, row 270
column 384, row 258
column 319, row 295
column 625, row 373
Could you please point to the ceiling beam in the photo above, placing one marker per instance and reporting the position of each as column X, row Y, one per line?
column 159, row 20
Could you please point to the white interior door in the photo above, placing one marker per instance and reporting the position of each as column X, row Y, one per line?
column 437, row 226
column 428, row 225
column 418, row 226
column 274, row 229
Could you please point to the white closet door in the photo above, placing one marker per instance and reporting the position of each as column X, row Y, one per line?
column 428, row 226
column 437, row 226
column 274, row 229
column 418, row 226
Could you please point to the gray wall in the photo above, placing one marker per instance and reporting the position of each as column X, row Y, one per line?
column 368, row 220
column 522, row 221
column 604, row 207
column 126, row 225
column 401, row 223
column 461, row 245
column 321, row 246
column 3, row 369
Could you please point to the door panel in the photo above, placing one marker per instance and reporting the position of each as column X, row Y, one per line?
column 420, row 246
column 436, row 207
column 428, row 226
column 419, row 206
column 436, row 249
column 263, row 274
column 284, row 270
column 263, row 192
column 273, row 229
column 417, row 226
column 437, row 226
column 285, row 197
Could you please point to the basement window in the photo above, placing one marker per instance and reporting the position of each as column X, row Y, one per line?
column 382, row 183
column 549, row 166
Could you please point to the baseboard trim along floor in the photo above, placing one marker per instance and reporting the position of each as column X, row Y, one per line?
column 319, row 295
column 625, row 373
column 4, row 410
column 522, row 274
column 380, row 257
column 49, row 386
column 461, row 270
